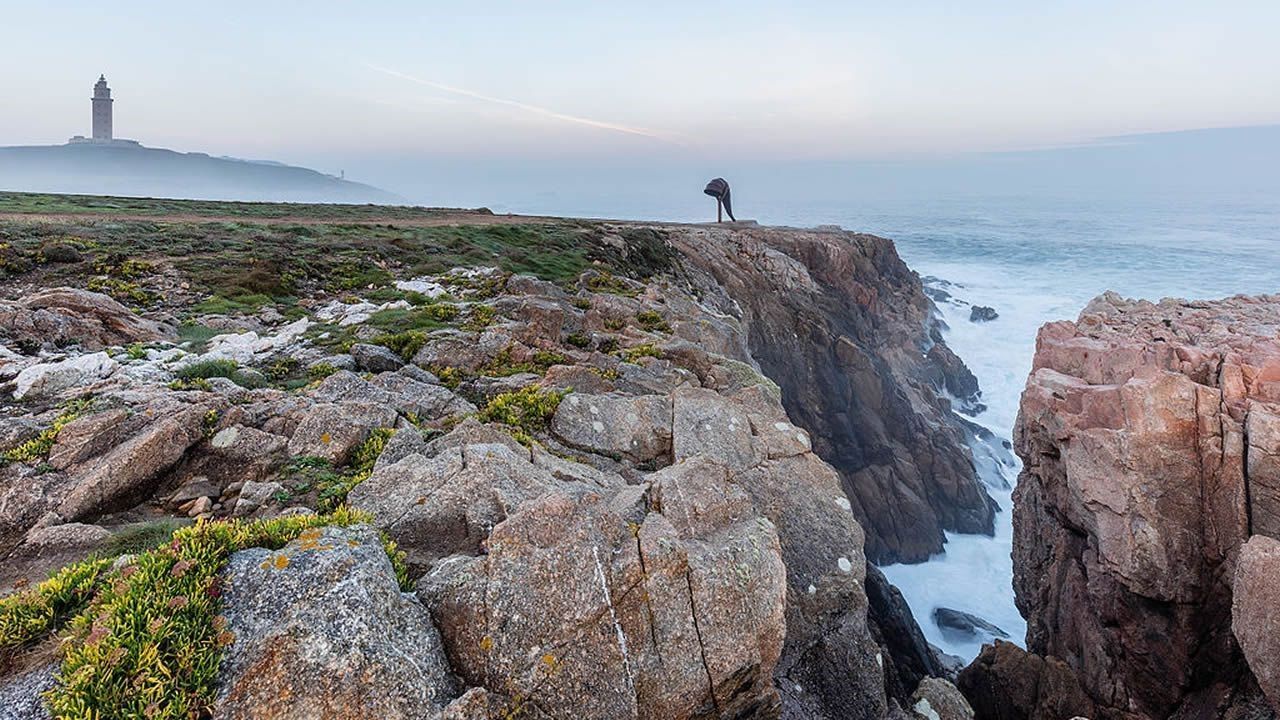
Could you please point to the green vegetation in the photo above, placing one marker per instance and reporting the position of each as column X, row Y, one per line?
column 139, row 537
column 450, row 377
column 528, row 409
column 122, row 290
column 333, row 494
column 480, row 317
column 633, row 354
column 652, row 321
column 38, row 203
column 150, row 641
column 223, row 368
column 197, row 335
column 578, row 340
column 146, row 640
column 405, row 344
column 37, row 449
column 198, row 384
column 242, row 266
column 320, row 371
column 606, row 282
column 30, row 615
column 503, row 366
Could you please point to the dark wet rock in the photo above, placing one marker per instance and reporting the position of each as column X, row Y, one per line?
column 1006, row 682
column 982, row 313
column 965, row 625
column 909, row 657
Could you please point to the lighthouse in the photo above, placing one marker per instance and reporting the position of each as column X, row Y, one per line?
column 102, row 110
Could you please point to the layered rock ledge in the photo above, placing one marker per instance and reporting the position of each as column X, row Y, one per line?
column 1150, row 437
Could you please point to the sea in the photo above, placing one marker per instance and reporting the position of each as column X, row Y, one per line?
column 1034, row 236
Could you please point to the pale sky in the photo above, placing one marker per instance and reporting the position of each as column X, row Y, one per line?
column 558, row 79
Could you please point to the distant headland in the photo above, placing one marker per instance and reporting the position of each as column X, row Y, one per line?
column 104, row 164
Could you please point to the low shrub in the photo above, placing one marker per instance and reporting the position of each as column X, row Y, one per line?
column 405, row 344
column 528, row 409
column 633, row 354
column 480, row 317
column 652, row 321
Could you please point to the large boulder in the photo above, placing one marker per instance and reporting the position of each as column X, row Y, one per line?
column 400, row 391
column 333, row 430
column 22, row 692
column 622, row 612
column 69, row 316
column 132, row 469
column 437, row 506
column 236, row 454
column 635, row 427
column 937, row 699
column 45, row 550
column 320, row 629
column 375, row 358
column 842, row 325
column 705, row 423
column 49, row 379
column 1255, row 612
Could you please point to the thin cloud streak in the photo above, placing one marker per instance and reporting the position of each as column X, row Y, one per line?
column 534, row 109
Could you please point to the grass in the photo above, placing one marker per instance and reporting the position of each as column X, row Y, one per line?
column 197, row 335
column 223, row 368
column 239, row 261
column 38, row 203
column 29, row 616
column 405, row 344
column 139, row 537
column 35, row 450
column 146, row 641
column 503, row 366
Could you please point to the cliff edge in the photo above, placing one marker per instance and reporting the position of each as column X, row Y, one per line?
column 531, row 467
column 1150, row 437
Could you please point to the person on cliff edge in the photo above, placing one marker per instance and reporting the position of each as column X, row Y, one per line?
column 719, row 189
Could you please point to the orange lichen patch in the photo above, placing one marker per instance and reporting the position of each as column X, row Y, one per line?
column 277, row 561
column 326, row 438
column 486, row 643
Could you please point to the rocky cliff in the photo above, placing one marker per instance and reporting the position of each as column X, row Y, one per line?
column 631, row 492
column 843, row 326
column 1144, row 517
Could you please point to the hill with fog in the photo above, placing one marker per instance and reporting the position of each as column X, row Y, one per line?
column 134, row 170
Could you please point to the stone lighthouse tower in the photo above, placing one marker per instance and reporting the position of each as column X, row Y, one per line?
column 102, row 110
